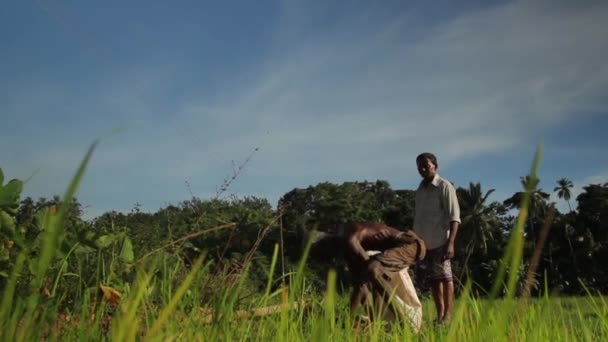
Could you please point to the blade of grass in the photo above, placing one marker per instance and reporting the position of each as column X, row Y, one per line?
column 330, row 303
column 125, row 324
column 8, row 294
column 513, row 257
column 273, row 263
column 298, row 280
column 179, row 294
column 55, row 227
column 457, row 328
column 61, row 271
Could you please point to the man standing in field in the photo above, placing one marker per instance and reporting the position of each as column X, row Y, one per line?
column 436, row 221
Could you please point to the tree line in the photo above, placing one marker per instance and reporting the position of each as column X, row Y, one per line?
column 248, row 234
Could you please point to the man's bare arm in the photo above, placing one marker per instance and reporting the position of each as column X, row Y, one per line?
column 449, row 253
column 394, row 235
column 354, row 245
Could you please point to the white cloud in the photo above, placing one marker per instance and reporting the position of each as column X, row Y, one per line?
column 359, row 100
column 599, row 178
column 577, row 189
column 481, row 83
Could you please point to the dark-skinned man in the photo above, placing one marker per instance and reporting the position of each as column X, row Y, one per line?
column 436, row 221
column 378, row 258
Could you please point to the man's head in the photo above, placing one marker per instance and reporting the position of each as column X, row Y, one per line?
column 427, row 165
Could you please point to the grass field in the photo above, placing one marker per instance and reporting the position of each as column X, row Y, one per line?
column 177, row 316
column 323, row 319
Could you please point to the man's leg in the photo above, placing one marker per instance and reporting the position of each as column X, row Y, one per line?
column 438, row 292
column 448, row 300
column 442, row 285
column 361, row 296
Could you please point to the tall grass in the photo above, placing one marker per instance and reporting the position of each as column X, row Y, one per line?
column 286, row 313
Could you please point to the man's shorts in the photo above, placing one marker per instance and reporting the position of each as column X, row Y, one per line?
column 434, row 267
column 398, row 258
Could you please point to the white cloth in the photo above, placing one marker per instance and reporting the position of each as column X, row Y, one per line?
column 401, row 290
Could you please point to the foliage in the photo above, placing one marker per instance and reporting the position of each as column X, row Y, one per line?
column 153, row 306
column 113, row 247
column 9, row 202
column 480, row 240
column 107, row 249
column 563, row 190
column 537, row 208
column 590, row 226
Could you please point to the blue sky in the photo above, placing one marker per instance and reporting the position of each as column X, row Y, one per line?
column 185, row 91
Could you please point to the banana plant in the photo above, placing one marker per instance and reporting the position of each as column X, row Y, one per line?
column 84, row 258
column 116, row 256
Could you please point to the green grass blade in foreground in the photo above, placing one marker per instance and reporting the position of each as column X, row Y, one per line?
column 600, row 310
column 7, row 306
column 514, row 252
column 126, row 323
column 586, row 333
column 513, row 257
column 275, row 258
column 295, row 295
column 179, row 294
column 297, row 285
column 330, row 302
column 55, row 225
column 61, row 272
column 459, row 324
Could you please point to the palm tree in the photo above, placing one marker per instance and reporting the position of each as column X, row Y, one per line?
column 479, row 221
column 537, row 204
column 479, row 235
column 563, row 190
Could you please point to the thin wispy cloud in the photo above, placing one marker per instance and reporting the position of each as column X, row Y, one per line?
column 477, row 84
column 331, row 95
